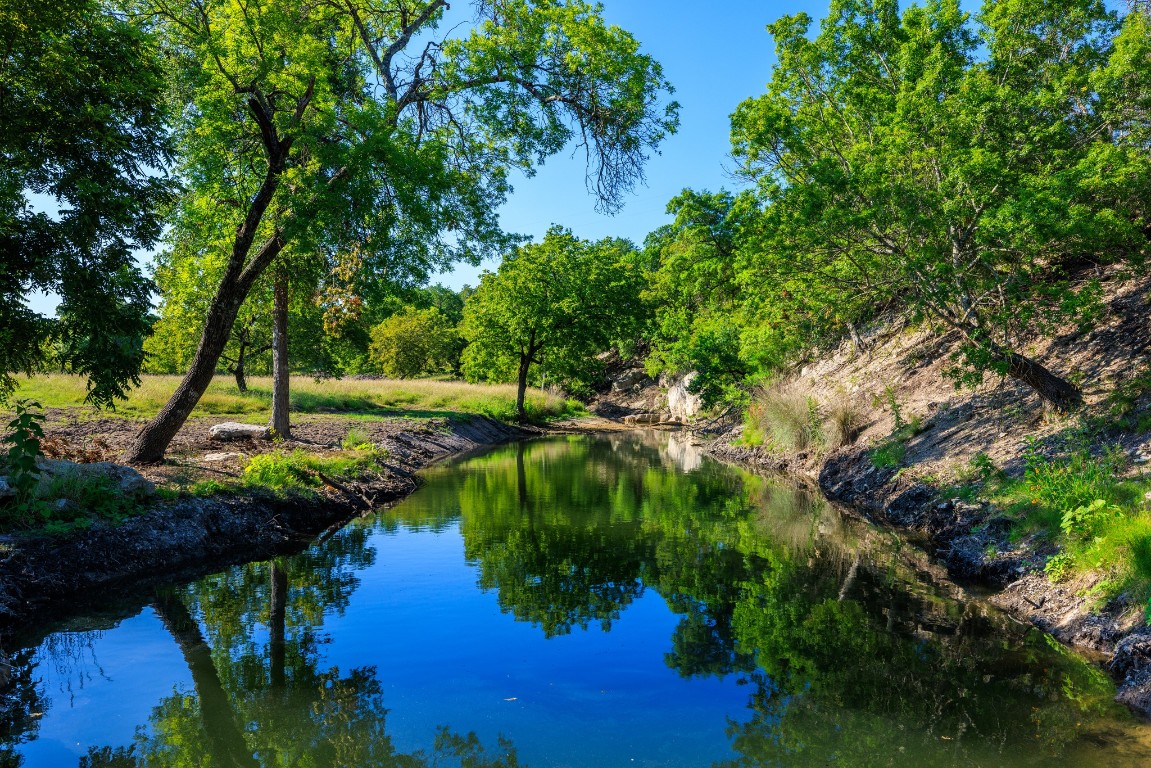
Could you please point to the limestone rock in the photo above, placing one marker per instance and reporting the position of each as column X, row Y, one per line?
column 233, row 430
column 214, row 457
column 629, row 380
column 682, row 403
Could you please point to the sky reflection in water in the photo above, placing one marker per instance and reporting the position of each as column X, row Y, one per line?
column 569, row 602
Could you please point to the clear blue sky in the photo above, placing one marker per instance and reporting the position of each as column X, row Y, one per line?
column 716, row 55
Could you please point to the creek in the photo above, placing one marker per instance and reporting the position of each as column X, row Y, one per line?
column 569, row 601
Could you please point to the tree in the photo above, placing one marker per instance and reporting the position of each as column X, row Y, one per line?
column 415, row 342
column 349, row 127
column 926, row 162
column 563, row 300
column 694, row 293
column 81, row 127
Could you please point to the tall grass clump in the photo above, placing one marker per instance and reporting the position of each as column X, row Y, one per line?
column 793, row 420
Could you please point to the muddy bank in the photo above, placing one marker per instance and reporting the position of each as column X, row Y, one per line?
column 46, row 576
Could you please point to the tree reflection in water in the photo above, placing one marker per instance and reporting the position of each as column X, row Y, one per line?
column 260, row 697
column 848, row 654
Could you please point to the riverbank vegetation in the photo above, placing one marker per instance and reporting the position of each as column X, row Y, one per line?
column 979, row 182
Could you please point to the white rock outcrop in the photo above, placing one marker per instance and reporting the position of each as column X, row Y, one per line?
column 233, row 430
column 683, row 404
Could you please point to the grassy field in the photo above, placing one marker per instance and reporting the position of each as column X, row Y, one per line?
column 380, row 397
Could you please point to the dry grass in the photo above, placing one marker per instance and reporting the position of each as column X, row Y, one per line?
column 792, row 419
column 414, row 397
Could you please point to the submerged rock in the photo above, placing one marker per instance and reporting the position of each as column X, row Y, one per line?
column 233, row 430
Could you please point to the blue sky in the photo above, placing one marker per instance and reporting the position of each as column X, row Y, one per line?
column 716, row 55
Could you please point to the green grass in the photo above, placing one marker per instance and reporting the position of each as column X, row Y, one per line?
column 303, row 471
column 68, row 501
column 421, row 397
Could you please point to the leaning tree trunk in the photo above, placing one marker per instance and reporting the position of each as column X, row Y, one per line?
column 1054, row 390
column 153, row 439
column 237, row 282
column 281, row 421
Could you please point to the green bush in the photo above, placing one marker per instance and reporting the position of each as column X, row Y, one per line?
column 889, row 453
column 301, row 471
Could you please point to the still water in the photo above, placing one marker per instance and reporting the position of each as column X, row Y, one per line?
column 577, row 601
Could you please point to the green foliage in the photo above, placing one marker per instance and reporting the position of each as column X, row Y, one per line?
column 415, row 342
column 1058, row 567
column 552, row 305
column 694, row 294
column 981, row 467
column 356, row 440
column 1083, row 520
column 301, row 471
column 24, row 451
column 84, row 125
column 918, row 160
column 1076, row 481
column 889, row 453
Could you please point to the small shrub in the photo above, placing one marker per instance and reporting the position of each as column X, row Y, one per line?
column 980, row 467
column 300, row 470
column 356, row 440
column 1082, row 520
column 1059, row 567
column 24, row 451
column 280, row 471
column 894, row 406
column 889, row 453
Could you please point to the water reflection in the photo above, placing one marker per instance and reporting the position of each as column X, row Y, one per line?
column 828, row 641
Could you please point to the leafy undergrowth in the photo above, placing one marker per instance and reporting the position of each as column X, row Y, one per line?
column 1085, row 499
column 419, row 397
column 299, row 470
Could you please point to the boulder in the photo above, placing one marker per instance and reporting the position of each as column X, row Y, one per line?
column 6, row 490
column 629, row 380
column 682, row 403
column 232, row 430
column 640, row 419
column 127, row 481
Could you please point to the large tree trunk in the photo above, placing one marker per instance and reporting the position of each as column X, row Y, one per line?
column 153, row 439
column 1054, row 390
column 281, row 421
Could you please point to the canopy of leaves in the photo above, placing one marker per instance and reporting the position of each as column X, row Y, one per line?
column 415, row 342
column 939, row 164
column 554, row 304
column 82, row 128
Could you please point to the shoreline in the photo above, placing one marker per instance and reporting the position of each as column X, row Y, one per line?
column 44, row 577
column 970, row 540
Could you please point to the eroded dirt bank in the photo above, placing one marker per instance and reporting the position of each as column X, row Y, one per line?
column 44, row 576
